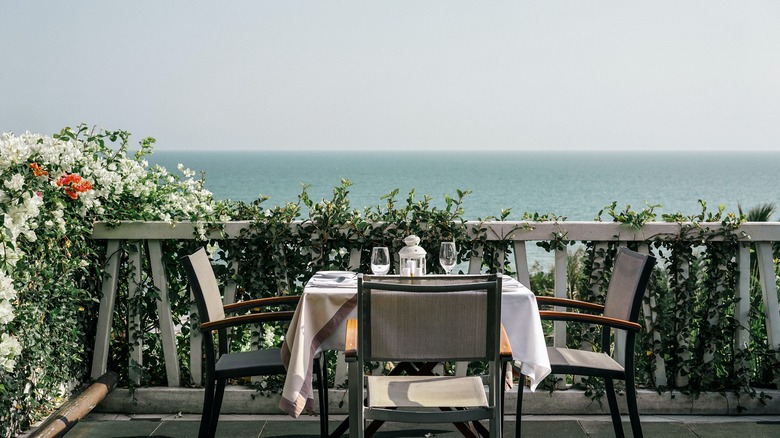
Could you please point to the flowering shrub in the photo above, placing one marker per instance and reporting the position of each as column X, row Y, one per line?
column 53, row 189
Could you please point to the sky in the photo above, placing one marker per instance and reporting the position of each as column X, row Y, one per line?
column 398, row 75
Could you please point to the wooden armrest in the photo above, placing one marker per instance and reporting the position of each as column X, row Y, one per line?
column 566, row 302
column 251, row 318
column 350, row 346
column 506, row 348
column 261, row 302
column 592, row 319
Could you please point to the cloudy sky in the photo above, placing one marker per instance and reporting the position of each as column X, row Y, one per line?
column 467, row 75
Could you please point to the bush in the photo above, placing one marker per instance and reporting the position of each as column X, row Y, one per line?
column 53, row 189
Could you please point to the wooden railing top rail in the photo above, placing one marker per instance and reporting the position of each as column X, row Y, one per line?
column 496, row 230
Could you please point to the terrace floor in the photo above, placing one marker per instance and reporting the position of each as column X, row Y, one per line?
column 98, row 425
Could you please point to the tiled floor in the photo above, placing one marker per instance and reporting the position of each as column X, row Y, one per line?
column 235, row 426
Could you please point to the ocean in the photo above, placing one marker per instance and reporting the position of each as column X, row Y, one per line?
column 575, row 185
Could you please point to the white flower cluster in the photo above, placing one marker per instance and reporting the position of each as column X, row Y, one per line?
column 113, row 179
column 72, row 176
column 269, row 337
column 9, row 350
column 7, row 296
column 9, row 345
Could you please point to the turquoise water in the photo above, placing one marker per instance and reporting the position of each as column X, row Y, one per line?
column 574, row 185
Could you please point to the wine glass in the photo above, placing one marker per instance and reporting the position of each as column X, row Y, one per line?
column 380, row 260
column 448, row 256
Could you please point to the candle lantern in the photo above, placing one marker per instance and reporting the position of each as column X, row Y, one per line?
column 412, row 257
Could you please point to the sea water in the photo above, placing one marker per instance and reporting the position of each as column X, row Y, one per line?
column 574, row 185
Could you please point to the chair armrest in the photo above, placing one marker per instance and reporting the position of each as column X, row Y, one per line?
column 592, row 319
column 252, row 318
column 506, row 348
column 566, row 302
column 261, row 302
column 350, row 345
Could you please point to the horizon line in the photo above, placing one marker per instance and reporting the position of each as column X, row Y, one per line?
column 459, row 151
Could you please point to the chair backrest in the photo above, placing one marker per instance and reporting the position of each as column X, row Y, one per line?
column 430, row 318
column 204, row 286
column 630, row 275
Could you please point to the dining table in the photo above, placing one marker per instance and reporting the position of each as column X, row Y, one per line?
column 330, row 298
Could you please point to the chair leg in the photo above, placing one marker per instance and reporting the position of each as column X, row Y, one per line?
column 208, row 402
column 356, row 421
column 519, row 409
column 218, row 395
column 503, row 384
column 613, row 407
column 633, row 410
column 321, row 370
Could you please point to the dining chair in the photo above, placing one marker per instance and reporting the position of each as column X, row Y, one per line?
column 630, row 275
column 222, row 364
column 426, row 319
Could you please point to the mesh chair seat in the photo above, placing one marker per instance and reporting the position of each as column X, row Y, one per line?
column 582, row 362
column 425, row 392
column 250, row 363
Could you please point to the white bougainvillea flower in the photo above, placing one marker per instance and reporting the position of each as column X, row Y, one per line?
column 15, row 182
column 10, row 348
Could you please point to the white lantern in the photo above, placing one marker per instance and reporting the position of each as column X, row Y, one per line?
column 412, row 257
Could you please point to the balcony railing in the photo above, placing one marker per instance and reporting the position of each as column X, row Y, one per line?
column 145, row 238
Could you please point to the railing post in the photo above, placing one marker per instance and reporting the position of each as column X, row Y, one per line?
column 709, row 353
column 596, row 273
column 521, row 263
column 766, row 269
column 106, row 311
column 684, row 356
column 196, row 345
column 742, row 307
column 134, row 334
column 500, row 257
column 619, row 352
column 561, row 291
column 651, row 317
column 165, row 320
column 354, row 259
column 475, row 261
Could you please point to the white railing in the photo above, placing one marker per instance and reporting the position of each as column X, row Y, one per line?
column 147, row 236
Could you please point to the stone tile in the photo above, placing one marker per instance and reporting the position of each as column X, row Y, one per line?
column 598, row 429
column 113, row 429
column 291, row 429
column 226, row 429
column 547, row 429
column 759, row 429
column 398, row 430
column 278, row 429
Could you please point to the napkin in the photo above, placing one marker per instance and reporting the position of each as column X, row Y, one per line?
column 333, row 279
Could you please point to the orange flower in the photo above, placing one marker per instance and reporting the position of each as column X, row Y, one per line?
column 68, row 179
column 74, row 184
column 82, row 186
column 72, row 193
column 37, row 171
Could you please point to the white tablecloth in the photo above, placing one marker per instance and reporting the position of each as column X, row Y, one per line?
column 329, row 300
